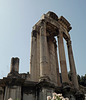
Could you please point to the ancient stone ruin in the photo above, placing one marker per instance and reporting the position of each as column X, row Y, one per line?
column 44, row 77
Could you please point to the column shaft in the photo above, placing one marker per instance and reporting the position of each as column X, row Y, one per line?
column 72, row 65
column 52, row 60
column 57, row 67
column 63, row 64
column 38, row 56
column 44, row 67
column 33, row 56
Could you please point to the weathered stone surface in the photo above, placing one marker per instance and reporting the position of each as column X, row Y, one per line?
column 62, row 57
column 52, row 15
column 72, row 65
column 13, row 92
column 1, row 93
column 14, row 65
column 44, row 77
column 33, row 57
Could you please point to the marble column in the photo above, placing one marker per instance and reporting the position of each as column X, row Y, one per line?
column 33, row 55
column 44, row 64
column 57, row 67
column 38, row 56
column 72, row 65
column 52, row 60
column 63, row 64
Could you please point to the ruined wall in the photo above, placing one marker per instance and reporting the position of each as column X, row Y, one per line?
column 13, row 92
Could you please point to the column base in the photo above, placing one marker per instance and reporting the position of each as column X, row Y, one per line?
column 44, row 78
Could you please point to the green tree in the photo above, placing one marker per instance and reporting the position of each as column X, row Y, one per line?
column 81, row 79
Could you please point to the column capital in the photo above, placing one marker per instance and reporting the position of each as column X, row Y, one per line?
column 34, row 33
column 43, row 28
column 68, row 42
column 42, row 22
column 60, row 34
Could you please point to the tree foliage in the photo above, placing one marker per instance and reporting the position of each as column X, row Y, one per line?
column 81, row 79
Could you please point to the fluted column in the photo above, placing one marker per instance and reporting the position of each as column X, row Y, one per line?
column 44, row 64
column 38, row 56
column 72, row 65
column 33, row 55
column 63, row 64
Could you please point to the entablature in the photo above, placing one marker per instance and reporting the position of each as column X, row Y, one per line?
column 54, row 24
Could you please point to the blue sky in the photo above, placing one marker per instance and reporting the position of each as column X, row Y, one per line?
column 17, row 18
